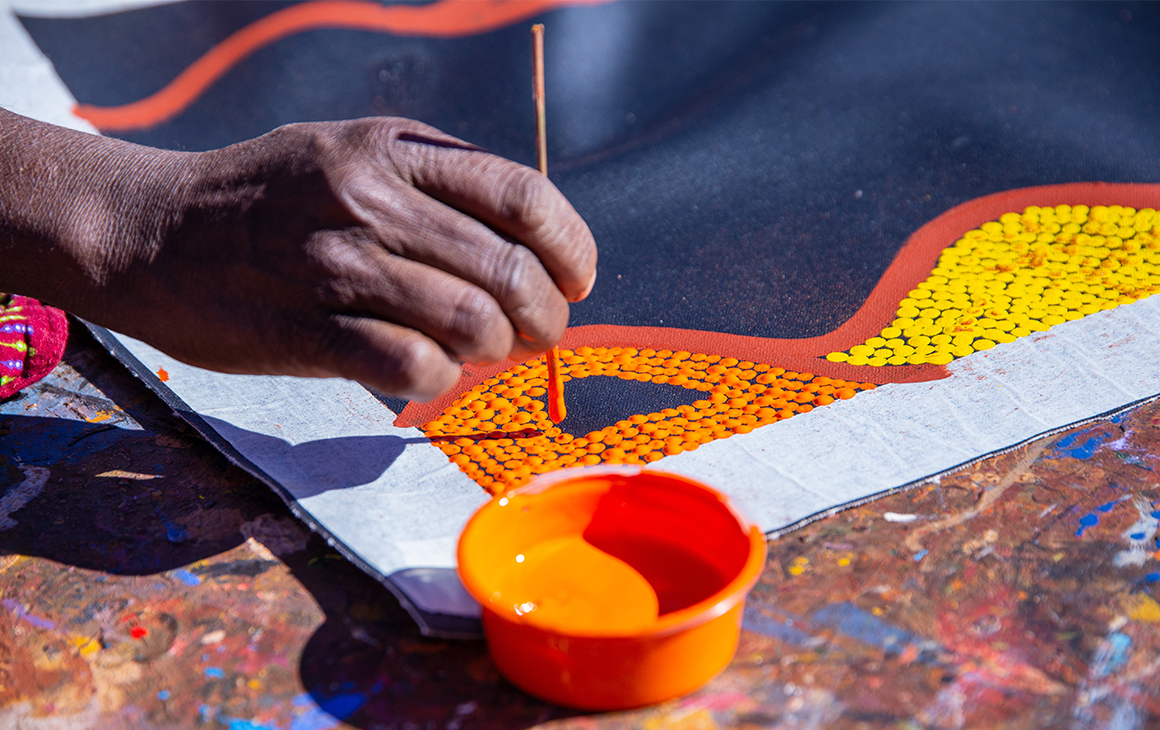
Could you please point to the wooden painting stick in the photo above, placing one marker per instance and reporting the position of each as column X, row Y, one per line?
column 556, row 408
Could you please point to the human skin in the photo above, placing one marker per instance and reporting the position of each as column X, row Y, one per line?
column 380, row 250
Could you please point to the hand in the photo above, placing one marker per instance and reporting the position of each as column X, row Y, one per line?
column 380, row 250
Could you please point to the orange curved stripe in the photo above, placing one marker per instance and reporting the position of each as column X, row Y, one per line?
column 440, row 19
column 911, row 265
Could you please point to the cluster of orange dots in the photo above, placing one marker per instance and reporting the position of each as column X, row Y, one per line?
column 499, row 434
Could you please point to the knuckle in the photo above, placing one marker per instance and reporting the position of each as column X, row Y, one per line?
column 526, row 199
column 532, row 301
column 479, row 326
column 515, row 272
column 420, row 368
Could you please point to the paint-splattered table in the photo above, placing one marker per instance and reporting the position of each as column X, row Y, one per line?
column 147, row 583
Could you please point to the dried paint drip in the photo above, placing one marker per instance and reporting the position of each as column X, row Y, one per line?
column 500, row 435
column 1021, row 274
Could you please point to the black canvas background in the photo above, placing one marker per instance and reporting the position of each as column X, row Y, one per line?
column 749, row 168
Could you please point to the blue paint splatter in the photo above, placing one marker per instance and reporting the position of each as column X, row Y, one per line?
column 920, row 555
column 1111, row 654
column 236, row 723
column 313, row 719
column 1137, row 536
column 37, row 621
column 175, row 533
column 343, row 706
column 1152, row 577
column 867, row 628
column 1072, row 446
column 1091, row 519
column 214, row 672
column 780, row 627
column 163, row 695
column 186, row 577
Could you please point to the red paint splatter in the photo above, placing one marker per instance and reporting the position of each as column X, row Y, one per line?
column 138, row 632
column 162, row 375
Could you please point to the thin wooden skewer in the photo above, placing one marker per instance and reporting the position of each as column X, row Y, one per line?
column 556, row 408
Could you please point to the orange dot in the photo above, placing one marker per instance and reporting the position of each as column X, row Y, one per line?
column 845, row 393
column 537, row 391
column 823, row 400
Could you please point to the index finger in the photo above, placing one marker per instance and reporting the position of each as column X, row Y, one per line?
column 513, row 199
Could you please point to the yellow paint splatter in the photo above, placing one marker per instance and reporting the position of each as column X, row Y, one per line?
column 1142, row 607
column 86, row 646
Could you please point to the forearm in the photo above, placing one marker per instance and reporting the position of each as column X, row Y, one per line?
column 74, row 210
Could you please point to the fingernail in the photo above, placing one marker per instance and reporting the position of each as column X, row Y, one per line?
column 587, row 291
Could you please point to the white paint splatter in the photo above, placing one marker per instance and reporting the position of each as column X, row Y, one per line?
column 1139, row 537
column 898, row 517
column 35, row 477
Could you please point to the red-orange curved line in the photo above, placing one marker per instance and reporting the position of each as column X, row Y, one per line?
column 911, row 265
column 440, row 19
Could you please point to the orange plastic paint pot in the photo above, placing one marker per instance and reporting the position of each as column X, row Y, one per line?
column 610, row 587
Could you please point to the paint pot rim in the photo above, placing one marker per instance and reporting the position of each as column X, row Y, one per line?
column 714, row 606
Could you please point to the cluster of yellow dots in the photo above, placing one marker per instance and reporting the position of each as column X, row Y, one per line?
column 1020, row 274
column 499, row 434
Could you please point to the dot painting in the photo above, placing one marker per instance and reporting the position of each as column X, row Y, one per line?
column 1006, row 279
column 500, row 435
column 1020, row 274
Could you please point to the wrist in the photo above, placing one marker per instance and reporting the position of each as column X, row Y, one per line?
column 78, row 212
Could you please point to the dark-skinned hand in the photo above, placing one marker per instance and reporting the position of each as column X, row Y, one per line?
column 379, row 250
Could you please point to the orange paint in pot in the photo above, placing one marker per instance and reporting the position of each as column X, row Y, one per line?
column 611, row 587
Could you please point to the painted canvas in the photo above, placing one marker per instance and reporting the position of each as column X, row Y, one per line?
column 844, row 248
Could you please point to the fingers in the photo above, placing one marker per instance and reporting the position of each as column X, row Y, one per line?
column 513, row 199
column 424, row 230
column 389, row 358
column 464, row 319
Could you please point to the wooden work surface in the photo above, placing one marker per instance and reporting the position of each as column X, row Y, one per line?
column 150, row 584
